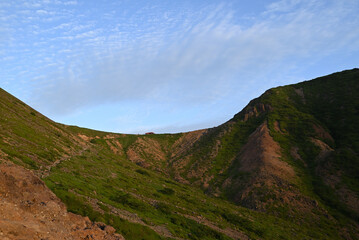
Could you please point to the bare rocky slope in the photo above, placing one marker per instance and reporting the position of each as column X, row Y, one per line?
column 29, row 210
column 285, row 167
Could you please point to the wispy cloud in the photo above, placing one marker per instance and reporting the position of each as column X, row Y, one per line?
column 62, row 58
column 70, row 3
column 200, row 60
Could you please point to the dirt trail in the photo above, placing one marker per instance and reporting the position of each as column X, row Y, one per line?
column 45, row 173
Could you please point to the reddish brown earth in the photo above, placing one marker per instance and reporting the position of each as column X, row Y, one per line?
column 267, row 173
column 30, row 211
column 146, row 148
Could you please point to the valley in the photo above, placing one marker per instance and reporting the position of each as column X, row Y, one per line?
column 285, row 167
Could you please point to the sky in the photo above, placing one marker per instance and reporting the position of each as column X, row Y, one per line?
column 166, row 66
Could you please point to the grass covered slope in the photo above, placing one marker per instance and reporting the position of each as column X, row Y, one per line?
column 285, row 167
column 29, row 138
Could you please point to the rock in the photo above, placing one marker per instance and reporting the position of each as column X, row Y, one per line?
column 30, row 211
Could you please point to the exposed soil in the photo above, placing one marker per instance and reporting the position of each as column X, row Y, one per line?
column 115, row 147
column 322, row 133
column 184, row 143
column 146, row 148
column 269, row 180
column 30, row 211
column 262, row 152
column 325, row 150
column 253, row 111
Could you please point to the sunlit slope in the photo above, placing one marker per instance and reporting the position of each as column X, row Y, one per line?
column 29, row 138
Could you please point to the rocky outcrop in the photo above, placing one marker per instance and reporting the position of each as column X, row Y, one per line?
column 30, row 211
column 253, row 110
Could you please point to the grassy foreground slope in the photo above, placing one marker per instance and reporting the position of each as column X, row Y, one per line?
column 285, row 167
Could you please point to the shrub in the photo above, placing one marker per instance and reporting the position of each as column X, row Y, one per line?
column 167, row 191
column 143, row 172
column 164, row 208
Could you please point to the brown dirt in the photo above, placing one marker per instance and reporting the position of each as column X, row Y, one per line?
column 262, row 152
column 184, row 143
column 84, row 137
column 253, row 111
column 322, row 133
column 30, row 211
column 325, row 150
column 180, row 154
column 181, row 164
column 110, row 136
column 270, row 178
column 145, row 149
column 115, row 147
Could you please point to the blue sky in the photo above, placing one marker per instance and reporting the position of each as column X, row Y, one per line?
column 166, row 65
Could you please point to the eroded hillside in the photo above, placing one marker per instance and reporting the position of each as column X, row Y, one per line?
column 285, row 167
column 29, row 210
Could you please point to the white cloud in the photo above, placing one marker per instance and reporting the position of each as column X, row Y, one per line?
column 284, row 5
column 70, row 3
column 41, row 12
column 32, row 4
column 201, row 61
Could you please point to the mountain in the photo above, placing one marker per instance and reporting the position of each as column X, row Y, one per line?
column 293, row 142
column 285, row 167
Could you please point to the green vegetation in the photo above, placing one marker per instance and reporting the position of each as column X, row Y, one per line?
column 167, row 191
column 95, row 173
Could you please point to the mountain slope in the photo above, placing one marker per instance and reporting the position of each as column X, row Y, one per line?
column 303, row 130
column 29, row 210
column 30, row 139
column 91, row 173
column 285, row 167
column 291, row 152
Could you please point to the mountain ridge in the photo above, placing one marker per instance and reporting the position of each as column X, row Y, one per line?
column 288, row 157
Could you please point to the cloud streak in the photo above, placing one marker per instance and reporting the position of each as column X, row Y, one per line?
column 202, row 60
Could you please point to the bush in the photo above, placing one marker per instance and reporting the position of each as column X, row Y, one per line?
column 127, row 200
column 131, row 230
column 164, row 208
column 197, row 231
column 143, row 172
column 167, row 191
